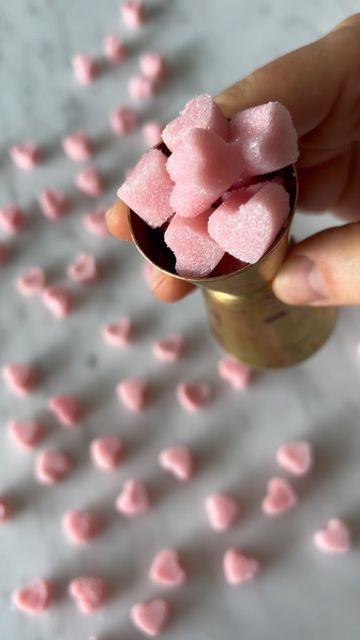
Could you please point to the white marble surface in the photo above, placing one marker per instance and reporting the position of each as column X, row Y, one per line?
column 300, row 594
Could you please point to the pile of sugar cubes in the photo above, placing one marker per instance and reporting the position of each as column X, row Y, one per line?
column 211, row 193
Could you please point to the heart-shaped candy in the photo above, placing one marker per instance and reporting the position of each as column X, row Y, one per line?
column 31, row 282
column 114, row 49
column 199, row 113
column 35, row 598
column 170, row 349
column 25, row 156
column 335, row 538
column 238, row 567
column 54, row 204
column 202, row 167
column 222, row 511
column 52, row 467
column 12, row 219
column 237, row 374
column 84, row 269
column 141, row 87
column 20, row 378
column 118, row 334
column 246, row 229
column 67, row 409
column 58, row 300
column 150, row 617
column 82, row 526
column 6, row 511
column 89, row 181
column 106, row 452
column 133, row 499
column 89, row 592
column 123, row 120
column 85, row 68
column 77, row 146
column 280, row 497
column 193, row 396
column 133, row 393
column 95, row 222
column 26, row 435
column 166, row 569
column 295, row 457
column 179, row 461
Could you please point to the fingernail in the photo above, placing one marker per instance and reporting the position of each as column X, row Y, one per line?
column 300, row 282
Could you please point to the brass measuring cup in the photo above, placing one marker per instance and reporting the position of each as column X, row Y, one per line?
column 245, row 316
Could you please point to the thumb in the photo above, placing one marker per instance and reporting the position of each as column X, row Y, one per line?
column 307, row 81
column 322, row 270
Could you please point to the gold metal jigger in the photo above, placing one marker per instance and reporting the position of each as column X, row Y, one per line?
column 247, row 319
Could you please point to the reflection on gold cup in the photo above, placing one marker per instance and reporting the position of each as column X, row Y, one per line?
column 247, row 319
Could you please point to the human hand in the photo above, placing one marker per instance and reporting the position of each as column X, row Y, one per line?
column 320, row 86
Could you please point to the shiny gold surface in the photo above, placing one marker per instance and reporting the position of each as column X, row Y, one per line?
column 249, row 322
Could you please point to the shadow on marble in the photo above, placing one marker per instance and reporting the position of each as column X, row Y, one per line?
column 53, row 362
column 182, row 63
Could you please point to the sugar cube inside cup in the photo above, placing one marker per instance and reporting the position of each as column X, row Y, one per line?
column 219, row 191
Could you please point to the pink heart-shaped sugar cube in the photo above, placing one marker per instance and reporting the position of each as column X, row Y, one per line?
column 58, row 300
column 12, row 219
column 52, row 467
column 179, row 461
column 123, row 120
column 199, row 113
column 170, row 349
column 20, row 378
column 54, row 204
column 85, row 68
column 280, row 497
column 95, row 222
column 247, row 229
column 222, row 511
column 141, row 88
column 133, row 499
column 118, row 334
column 133, row 393
column 77, row 146
column 147, row 189
column 106, row 452
column 6, row 511
column 67, row 409
column 89, row 181
column 335, row 538
column 114, row 49
column 197, row 255
column 237, row 374
column 238, row 567
column 153, row 65
column 151, row 132
column 32, row 282
column 35, row 598
column 84, row 269
column 295, row 457
column 82, row 526
column 202, row 168
column 25, row 156
column 166, row 569
column 193, row 396
column 150, row 617
column 27, row 435
column 90, row 593
column 132, row 13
